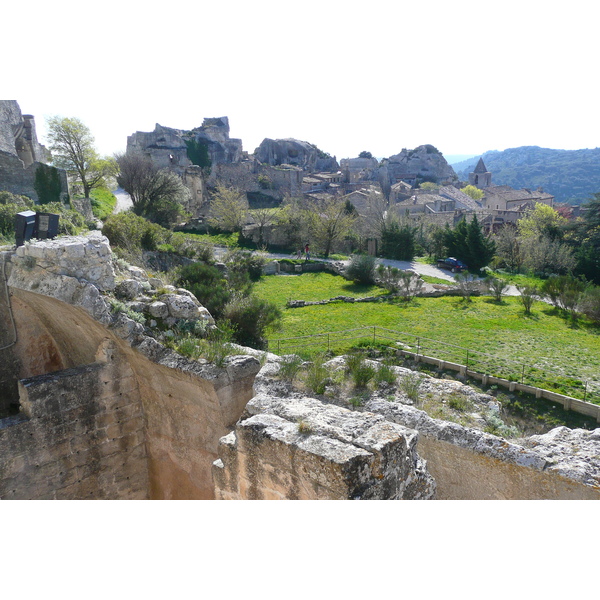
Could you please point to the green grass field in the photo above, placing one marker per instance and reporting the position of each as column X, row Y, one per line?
column 544, row 339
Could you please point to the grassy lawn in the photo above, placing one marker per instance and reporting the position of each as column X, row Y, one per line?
column 544, row 339
column 103, row 203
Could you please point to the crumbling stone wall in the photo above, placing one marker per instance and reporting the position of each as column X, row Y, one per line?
column 21, row 154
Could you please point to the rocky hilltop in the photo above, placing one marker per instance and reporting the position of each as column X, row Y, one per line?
column 425, row 162
column 296, row 153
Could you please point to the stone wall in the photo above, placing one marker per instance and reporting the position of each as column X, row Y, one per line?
column 79, row 435
column 302, row 449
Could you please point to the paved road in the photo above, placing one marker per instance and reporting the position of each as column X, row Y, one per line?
column 123, row 200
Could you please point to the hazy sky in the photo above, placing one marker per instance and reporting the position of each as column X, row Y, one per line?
column 466, row 76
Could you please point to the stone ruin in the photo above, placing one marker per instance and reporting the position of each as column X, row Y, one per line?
column 21, row 155
column 106, row 410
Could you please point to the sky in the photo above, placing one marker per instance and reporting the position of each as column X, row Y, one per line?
column 466, row 76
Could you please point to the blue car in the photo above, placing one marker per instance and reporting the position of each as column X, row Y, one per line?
column 452, row 264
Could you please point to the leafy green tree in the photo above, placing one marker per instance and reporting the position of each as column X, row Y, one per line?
column 72, row 147
column 468, row 243
column 429, row 186
column 398, row 241
column 473, row 192
column 540, row 221
column 330, row 221
column 228, row 209
column 365, row 154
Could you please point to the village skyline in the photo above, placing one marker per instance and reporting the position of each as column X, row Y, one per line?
column 342, row 78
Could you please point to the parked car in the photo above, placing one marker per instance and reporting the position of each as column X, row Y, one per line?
column 452, row 264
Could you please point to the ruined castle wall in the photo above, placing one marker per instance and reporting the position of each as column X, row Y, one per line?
column 79, row 435
column 465, row 474
column 18, row 179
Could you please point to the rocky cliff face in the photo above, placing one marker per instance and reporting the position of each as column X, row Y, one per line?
column 168, row 148
column 426, row 162
column 296, row 153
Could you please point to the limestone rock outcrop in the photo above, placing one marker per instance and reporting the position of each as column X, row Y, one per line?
column 296, row 153
column 301, row 448
column 425, row 162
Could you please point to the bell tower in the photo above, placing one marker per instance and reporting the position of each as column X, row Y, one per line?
column 480, row 177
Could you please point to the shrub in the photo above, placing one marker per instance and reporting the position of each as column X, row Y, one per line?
column 304, row 427
column 317, row 375
column 361, row 269
column 590, row 304
column 360, row 371
column 496, row 286
column 385, row 374
column 410, row 385
column 527, row 297
column 250, row 316
column 289, row 367
column 458, row 402
column 131, row 232
column 208, row 285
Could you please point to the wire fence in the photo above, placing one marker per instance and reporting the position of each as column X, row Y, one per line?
column 418, row 346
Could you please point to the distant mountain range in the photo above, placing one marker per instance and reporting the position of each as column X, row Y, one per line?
column 569, row 175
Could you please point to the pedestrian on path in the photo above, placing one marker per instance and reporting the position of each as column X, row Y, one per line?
column 307, row 252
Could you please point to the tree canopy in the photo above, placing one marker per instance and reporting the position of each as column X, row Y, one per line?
column 72, row 147
column 157, row 194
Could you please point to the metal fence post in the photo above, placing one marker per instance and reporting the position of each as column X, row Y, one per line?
column 328, row 345
column 467, row 363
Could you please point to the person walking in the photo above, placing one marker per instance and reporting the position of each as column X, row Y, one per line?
column 306, row 252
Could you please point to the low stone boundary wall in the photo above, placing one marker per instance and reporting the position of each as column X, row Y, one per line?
column 568, row 403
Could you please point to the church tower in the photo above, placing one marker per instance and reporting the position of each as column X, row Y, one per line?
column 480, row 177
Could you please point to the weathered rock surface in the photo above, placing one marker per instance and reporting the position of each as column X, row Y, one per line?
column 424, row 161
column 294, row 152
column 573, row 453
column 301, row 448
